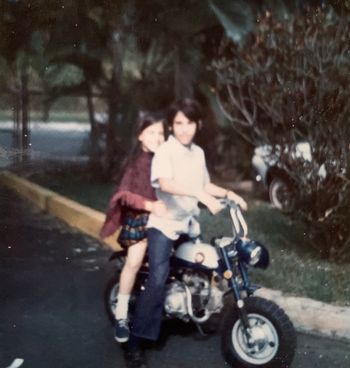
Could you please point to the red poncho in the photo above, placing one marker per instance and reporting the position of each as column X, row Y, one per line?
column 132, row 192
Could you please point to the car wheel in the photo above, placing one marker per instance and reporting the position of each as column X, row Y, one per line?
column 280, row 193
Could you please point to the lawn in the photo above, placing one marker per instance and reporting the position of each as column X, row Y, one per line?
column 296, row 267
column 57, row 116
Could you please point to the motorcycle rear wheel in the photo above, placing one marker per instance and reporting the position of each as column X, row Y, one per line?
column 273, row 331
column 110, row 297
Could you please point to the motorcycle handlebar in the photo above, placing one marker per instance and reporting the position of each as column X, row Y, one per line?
column 239, row 225
column 225, row 202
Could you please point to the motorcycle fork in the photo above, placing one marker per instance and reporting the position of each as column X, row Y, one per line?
column 227, row 273
column 242, row 312
column 230, row 277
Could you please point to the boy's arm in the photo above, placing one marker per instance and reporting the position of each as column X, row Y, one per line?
column 173, row 187
column 162, row 177
column 220, row 192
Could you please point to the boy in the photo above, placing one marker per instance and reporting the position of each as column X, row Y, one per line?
column 181, row 179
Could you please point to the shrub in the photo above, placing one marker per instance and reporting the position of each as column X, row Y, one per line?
column 287, row 83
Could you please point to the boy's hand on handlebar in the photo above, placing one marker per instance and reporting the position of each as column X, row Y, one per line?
column 213, row 205
column 238, row 199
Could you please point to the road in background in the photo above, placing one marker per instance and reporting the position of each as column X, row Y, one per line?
column 53, row 141
column 52, row 312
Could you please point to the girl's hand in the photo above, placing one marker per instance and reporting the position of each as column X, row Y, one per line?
column 159, row 208
column 239, row 200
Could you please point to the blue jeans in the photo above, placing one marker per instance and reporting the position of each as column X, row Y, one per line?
column 149, row 305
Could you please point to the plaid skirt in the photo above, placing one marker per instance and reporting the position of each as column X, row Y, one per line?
column 133, row 228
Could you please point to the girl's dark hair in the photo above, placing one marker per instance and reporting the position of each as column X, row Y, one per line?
column 145, row 119
column 190, row 108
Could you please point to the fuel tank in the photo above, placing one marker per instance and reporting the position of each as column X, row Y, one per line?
column 198, row 253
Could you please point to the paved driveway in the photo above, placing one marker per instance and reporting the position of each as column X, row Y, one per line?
column 52, row 313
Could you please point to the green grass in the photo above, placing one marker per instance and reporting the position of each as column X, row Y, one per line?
column 78, row 187
column 57, row 116
column 296, row 267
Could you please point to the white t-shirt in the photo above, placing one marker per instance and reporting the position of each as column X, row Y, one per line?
column 188, row 167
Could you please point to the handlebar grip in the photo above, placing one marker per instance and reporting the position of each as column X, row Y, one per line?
column 229, row 202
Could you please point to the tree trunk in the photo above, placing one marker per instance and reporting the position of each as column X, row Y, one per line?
column 116, row 51
column 94, row 136
column 113, row 109
column 184, row 75
column 25, row 117
column 17, row 135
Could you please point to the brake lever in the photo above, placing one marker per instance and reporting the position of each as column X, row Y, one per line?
column 239, row 223
column 229, row 202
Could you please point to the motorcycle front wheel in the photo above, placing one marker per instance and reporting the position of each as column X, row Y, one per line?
column 273, row 338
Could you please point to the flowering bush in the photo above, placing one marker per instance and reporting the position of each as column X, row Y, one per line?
column 290, row 82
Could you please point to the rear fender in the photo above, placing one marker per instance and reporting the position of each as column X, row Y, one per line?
column 119, row 254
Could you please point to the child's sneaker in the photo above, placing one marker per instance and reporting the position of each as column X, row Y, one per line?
column 122, row 330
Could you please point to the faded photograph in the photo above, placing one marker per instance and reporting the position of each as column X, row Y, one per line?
column 174, row 183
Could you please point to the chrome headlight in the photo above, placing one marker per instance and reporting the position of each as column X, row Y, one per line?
column 227, row 243
column 253, row 253
column 223, row 241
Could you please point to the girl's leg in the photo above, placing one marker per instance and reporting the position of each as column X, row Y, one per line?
column 132, row 265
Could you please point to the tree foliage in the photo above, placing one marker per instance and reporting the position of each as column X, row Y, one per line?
column 289, row 83
column 123, row 54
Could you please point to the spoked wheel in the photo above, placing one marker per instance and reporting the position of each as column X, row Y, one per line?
column 270, row 341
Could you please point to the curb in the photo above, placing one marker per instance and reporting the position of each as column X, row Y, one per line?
column 312, row 316
column 307, row 315
column 86, row 219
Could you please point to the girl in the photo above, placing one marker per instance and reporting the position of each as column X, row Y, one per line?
column 130, row 206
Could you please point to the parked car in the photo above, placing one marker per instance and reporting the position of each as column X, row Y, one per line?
column 270, row 173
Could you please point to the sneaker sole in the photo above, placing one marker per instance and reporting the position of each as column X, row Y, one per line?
column 121, row 339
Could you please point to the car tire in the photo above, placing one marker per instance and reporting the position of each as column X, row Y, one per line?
column 280, row 193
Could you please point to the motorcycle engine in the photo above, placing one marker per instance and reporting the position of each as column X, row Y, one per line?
column 193, row 297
